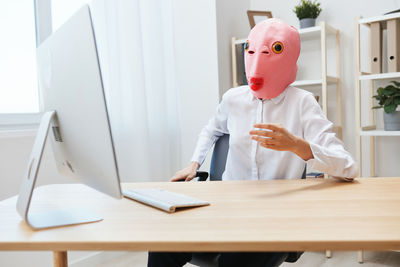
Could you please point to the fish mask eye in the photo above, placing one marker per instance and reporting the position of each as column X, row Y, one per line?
column 246, row 45
column 277, row 47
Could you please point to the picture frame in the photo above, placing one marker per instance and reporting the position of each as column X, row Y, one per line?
column 256, row 16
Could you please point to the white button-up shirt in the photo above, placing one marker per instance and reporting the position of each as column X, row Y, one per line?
column 298, row 111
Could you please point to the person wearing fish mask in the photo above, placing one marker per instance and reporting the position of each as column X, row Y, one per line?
column 274, row 129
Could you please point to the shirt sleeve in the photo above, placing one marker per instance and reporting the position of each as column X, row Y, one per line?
column 216, row 127
column 329, row 153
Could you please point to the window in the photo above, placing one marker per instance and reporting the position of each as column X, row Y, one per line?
column 19, row 92
column 18, row 81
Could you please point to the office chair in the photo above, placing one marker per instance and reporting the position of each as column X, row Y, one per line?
column 217, row 168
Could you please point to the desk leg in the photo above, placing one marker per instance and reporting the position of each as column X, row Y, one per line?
column 60, row 259
column 360, row 256
column 328, row 254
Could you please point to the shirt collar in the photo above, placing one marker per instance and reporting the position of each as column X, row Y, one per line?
column 275, row 100
column 279, row 98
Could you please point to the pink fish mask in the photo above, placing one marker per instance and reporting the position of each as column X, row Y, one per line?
column 271, row 54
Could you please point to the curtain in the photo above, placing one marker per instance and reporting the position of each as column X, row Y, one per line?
column 136, row 50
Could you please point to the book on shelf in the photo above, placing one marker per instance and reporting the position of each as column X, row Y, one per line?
column 393, row 45
column 376, row 47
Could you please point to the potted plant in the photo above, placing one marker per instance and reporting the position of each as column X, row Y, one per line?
column 307, row 11
column 388, row 99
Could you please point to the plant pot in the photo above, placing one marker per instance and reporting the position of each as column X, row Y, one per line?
column 392, row 121
column 308, row 22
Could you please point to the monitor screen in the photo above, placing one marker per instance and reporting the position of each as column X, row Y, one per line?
column 70, row 83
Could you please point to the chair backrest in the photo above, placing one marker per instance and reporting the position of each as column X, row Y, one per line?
column 218, row 159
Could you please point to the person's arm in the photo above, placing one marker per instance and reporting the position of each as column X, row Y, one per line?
column 280, row 139
column 216, row 127
column 329, row 153
column 320, row 148
column 186, row 174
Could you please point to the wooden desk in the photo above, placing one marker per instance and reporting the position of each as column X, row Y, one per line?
column 280, row 215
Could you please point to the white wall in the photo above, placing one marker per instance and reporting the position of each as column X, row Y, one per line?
column 341, row 15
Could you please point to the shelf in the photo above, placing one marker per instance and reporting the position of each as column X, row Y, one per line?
column 329, row 79
column 382, row 18
column 310, row 32
column 306, row 32
column 306, row 82
column 379, row 76
column 315, row 31
column 379, row 133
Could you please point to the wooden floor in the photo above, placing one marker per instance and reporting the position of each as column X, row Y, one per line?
column 309, row 259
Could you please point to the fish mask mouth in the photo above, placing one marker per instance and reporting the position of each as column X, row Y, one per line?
column 256, row 83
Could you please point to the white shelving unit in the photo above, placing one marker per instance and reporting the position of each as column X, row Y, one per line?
column 319, row 33
column 371, row 129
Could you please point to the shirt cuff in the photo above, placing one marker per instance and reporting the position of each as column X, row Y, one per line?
column 333, row 163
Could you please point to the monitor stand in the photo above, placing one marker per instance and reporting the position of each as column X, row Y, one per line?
column 46, row 219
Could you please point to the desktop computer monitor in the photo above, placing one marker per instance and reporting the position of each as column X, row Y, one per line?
column 75, row 119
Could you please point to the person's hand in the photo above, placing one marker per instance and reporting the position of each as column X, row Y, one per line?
column 275, row 136
column 187, row 173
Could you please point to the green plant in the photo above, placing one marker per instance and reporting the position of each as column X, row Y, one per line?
column 307, row 9
column 388, row 97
